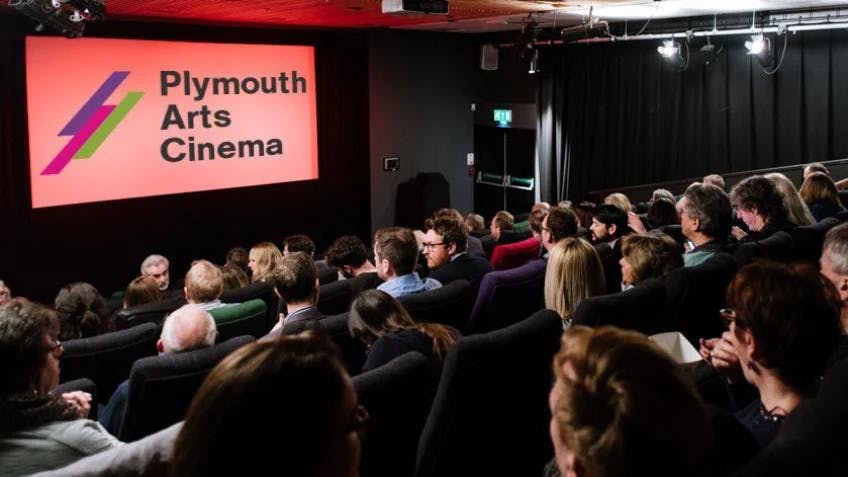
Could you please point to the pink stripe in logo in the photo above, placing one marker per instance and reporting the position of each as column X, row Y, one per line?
column 64, row 156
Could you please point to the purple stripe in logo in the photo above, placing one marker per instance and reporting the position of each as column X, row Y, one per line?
column 91, row 106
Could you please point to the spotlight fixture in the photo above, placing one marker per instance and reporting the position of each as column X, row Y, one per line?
column 757, row 45
column 534, row 63
column 669, row 49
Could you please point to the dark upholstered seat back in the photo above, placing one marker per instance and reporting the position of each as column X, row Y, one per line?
column 449, row 305
column 262, row 290
column 398, row 396
column 808, row 239
column 162, row 387
column 334, row 298
column 248, row 318
column 508, row 296
column 107, row 359
column 327, row 274
column 490, row 415
column 696, row 294
column 147, row 313
column 515, row 254
column 778, row 246
column 353, row 350
column 642, row 308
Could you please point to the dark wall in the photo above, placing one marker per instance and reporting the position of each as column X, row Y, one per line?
column 104, row 243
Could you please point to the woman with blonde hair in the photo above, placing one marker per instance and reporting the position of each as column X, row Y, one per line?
column 820, row 194
column 797, row 210
column 619, row 200
column 263, row 257
column 648, row 256
column 574, row 273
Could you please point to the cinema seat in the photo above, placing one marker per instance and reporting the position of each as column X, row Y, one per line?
column 641, row 308
column 327, row 274
column 334, row 298
column 508, row 296
column 398, row 397
column 107, row 359
column 147, row 313
column 162, row 387
column 490, row 414
column 808, row 239
column 246, row 318
column 449, row 304
column 262, row 290
column 515, row 254
column 778, row 247
column 353, row 350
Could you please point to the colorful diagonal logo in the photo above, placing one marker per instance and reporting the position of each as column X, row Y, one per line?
column 93, row 123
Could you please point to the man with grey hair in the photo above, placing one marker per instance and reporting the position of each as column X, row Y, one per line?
column 705, row 219
column 834, row 265
column 714, row 179
column 157, row 267
column 188, row 328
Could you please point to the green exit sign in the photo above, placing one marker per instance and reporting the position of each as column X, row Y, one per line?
column 503, row 116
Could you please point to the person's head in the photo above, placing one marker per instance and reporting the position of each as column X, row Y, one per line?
column 814, row 167
column 584, row 211
column 797, row 211
column 661, row 213
column 263, row 258
column 834, row 260
column 140, row 291
column 203, row 282
column 238, row 257
column 446, row 213
column 537, row 216
column 5, row 292
column 662, row 194
column 714, row 180
column 705, row 213
column 475, row 222
column 783, row 322
column 574, row 273
column 446, row 239
column 819, row 187
column 82, row 311
column 347, row 253
column 234, row 277
column 29, row 348
column 317, row 428
column 758, row 202
column 188, row 327
column 619, row 200
column 157, row 267
column 620, row 404
column 296, row 279
column 395, row 252
column 502, row 220
column 558, row 224
column 648, row 256
column 375, row 313
column 608, row 223
column 298, row 243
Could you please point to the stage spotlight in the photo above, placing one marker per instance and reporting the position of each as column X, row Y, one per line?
column 757, row 45
column 534, row 62
column 669, row 49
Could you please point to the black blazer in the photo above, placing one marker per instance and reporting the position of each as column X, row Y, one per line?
column 465, row 267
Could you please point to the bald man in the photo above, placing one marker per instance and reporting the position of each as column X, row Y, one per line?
column 189, row 327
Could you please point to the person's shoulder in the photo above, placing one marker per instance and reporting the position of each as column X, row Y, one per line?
column 84, row 435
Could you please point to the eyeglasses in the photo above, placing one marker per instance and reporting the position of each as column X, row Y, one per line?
column 427, row 245
column 359, row 420
column 728, row 315
column 56, row 349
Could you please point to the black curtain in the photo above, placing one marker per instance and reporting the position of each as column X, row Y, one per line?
column 617, row 114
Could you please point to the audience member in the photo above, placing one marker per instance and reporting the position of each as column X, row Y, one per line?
column 834, row 266
column 584, row 212
column 239, row 257
column 783, row 328
column 188, row 328
column 475, row 223
column 574, row 273
column 349, row 255
column 5, row 292
column 395, row 257
column 316, row 430
column 157, row 267
column 662, row 194
column 82, row 312
column 714, row 180
column 620, row 407
column 558, row 224
column 759, row 204
column 609, row 224
column 37, row 430
column 296, row 282
column 263, row 258
column 234, row 277
column 706, row 217
column 661, row 213
column 502, row 220
column 204, row 284
column 797, row 211
column 444, row 248
column 140, row 291
column 648, row 256
column 298, row 243
column 473, row 244
column 814, row 167
column 619, row 200
column 819, row 193
column 386, row 328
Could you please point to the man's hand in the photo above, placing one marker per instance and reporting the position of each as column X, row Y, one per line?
column 80, row 400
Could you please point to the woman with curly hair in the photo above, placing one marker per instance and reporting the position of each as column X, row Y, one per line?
column 82, row 312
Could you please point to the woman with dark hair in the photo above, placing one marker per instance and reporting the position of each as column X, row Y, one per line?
column 661, row 213
column 297, row 389
column 142, row 290
column 648, row 256
column 234, row 277
column 82, row 312
column 819, row 192
column 784, row 325
column 39, row 431
column 759, row 204
column 384, row 325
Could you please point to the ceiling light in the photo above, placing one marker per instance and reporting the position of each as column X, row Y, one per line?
column 668, row 49
column 757, row 45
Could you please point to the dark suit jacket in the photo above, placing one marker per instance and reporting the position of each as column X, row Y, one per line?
column 295, row 319
column 610, row 257
column 465, row 267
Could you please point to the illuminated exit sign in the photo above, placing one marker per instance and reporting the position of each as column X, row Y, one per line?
column 503, row 116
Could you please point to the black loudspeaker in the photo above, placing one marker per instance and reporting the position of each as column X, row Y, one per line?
column 489, row 57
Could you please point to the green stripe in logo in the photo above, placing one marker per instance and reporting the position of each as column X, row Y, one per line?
column 111, row 122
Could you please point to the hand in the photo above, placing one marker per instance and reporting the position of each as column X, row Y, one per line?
column 707, row 347
column 738, row 233
column 80, row 400
column 635, row 223
column 722, row 356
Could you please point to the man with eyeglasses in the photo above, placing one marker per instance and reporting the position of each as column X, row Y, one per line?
column 447, row 257
column 395, row 256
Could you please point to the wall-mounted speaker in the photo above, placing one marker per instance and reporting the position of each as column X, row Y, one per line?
column 489, row 57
